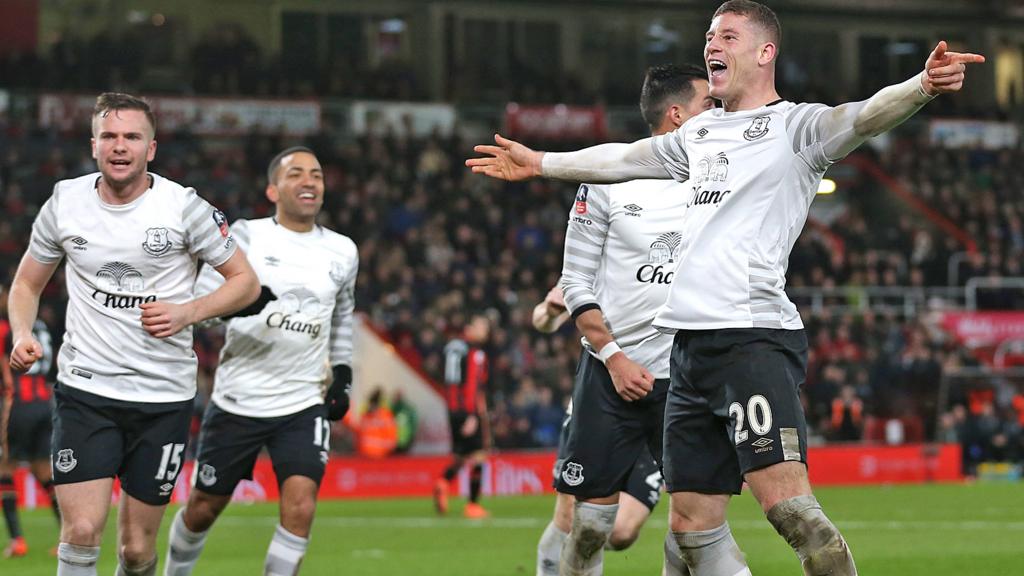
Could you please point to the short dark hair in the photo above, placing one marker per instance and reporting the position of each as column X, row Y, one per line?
column 758, row 13
column 109, row 101
column 666, row 85
column 275, row 163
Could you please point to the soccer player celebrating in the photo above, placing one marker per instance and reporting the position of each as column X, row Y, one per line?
column 465, row 376
column 28, row 427
column 268, row 386
column 126, row 370
column 642, row 490
column 739, row 352
column 621, row 249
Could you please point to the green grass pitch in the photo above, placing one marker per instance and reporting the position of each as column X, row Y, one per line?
column 930, row 530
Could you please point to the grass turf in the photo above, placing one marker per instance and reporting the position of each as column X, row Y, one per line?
column 930, row 530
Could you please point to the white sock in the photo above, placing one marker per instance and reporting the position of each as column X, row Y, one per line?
column 674, row 565
column 284, row 556
column 549, row 549
column 73, row 560
column 147, row 569
column 183, row 547
column 583, row 550
column 712, row 552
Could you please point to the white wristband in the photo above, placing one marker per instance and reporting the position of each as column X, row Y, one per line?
column 607, row 352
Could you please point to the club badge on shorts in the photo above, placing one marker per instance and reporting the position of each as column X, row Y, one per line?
column 572, row 474
column 65, row 461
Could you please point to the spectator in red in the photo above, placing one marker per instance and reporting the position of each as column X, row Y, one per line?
column 847, row 415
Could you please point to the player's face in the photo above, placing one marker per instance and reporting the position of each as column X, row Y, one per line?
column 123, row 146
column 298, row 189
column 700, row 101
column 733, row 45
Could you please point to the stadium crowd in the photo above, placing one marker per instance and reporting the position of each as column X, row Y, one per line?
column 436, row 243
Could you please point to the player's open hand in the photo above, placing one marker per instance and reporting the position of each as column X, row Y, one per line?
column 944, row 71
column 163, row 319
column 509, row 160
column 631, row 380
column 24, row 354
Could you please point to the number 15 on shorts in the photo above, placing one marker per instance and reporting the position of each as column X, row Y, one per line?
column 170, row 462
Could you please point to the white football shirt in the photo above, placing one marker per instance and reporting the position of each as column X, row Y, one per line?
column 274, row 363
column 622, row 246
column 752, row 175
column 119, row 256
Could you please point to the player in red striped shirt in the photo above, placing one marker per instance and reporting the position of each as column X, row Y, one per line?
column 27, row 413
column 465, row 375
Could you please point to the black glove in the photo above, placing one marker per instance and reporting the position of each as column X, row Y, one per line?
column 337, row 395
column 266, row 296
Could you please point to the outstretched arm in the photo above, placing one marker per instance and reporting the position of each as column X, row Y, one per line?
column 847, row 126
column 601, row 164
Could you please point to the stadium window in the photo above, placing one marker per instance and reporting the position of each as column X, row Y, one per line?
column 908, row 54
column 874, row 63
column 661, row 43
column 390, row 40
column 346, row 40
column 300, row 40
column 1009, row 70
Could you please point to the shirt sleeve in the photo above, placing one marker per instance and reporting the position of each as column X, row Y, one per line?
column 607, row 163
column 823, row 135
column 207, row 234
column 585, row 237
column 209, row 279
column 342, row 320
column 807, row 131
column 45, row 245
column 671, row 153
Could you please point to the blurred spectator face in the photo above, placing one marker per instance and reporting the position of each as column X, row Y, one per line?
column 478, row 329
column 122, row 145
column 298, row 187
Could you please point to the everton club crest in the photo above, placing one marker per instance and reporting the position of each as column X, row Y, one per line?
column 758, row 128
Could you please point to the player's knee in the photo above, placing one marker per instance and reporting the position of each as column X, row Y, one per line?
column 623, row 537
column 135, row 553
column 81, row 531
column 816, row 540
column 298, row 512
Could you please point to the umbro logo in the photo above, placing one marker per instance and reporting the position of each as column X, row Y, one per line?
column 633, row 208
column 702, row 133
column 79, row 243
column 271, row 261
column 762, row 445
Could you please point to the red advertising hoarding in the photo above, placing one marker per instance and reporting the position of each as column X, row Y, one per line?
column 515, row 473
column 977, row 329
column 558, row 122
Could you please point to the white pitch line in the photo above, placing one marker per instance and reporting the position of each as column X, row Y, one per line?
column 534, row 522
column 423, row 522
